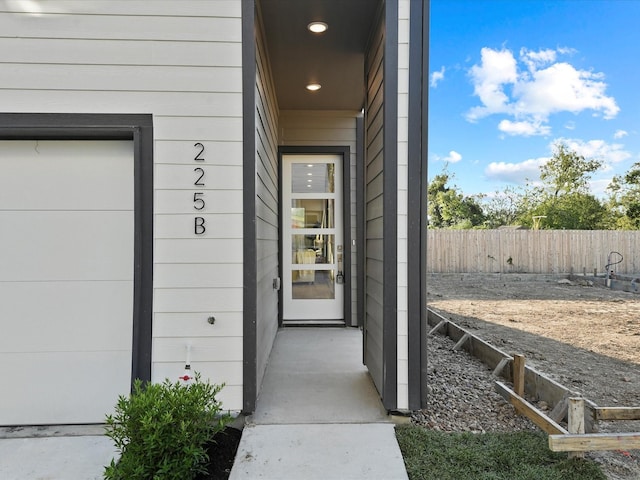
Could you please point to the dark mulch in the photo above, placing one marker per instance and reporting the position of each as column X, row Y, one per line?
column 222, row 452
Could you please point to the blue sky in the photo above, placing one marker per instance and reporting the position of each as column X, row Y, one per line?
column 509, row 78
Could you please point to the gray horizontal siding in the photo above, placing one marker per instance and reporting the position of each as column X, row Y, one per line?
column 267, row 211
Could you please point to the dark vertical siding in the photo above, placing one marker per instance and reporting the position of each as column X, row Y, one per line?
column 250, row 391
column 417, row 215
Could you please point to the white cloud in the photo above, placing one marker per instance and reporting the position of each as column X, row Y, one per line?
column 534, row 60
column 523, row 128
column 562, row 88
column 620, row 134
column 453, row 157
column 515, row 172
column 437, row 77
column 531, row 90
column 610, row 153
column 498, row 68
column 599, row 187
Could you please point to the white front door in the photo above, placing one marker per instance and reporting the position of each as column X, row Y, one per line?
column 312, row 238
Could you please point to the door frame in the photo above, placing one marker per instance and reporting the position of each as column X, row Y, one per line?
column 345, row 152
column 139, row 129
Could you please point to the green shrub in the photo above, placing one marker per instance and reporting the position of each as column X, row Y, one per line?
column 160, row 430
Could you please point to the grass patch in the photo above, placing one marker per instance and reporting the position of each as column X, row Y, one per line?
column 430, row 454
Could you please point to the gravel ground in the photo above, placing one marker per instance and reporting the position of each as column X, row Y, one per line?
column 462, row 395
column 462, row 398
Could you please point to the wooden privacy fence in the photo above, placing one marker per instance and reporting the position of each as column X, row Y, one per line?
column 532, row 251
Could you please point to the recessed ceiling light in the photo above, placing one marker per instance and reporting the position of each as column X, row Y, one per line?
column 314, row 87
column 317, row 27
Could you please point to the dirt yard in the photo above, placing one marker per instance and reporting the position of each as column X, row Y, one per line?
column 585, row 337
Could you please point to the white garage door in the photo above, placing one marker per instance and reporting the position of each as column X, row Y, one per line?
column 66, row 279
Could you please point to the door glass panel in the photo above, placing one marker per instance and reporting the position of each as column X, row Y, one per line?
column 312, row 249
column 312, row 213
column 313, row 285
column 313, row 178
column 312, row 237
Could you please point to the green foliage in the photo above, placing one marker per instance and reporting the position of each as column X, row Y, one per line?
column 567, row 172
column 624, row 199
column 571, row 211
column 160, row 430
column 504, row 207
column 447, row 208
column 430, row 454
column 564, row 198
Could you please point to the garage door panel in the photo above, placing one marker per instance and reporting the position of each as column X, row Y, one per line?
column 66, row 175
column 67, row 237
column 66, row 246
column 66, row 316
column 71, row 387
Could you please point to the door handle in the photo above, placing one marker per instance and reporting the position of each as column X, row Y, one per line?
column 340, row 275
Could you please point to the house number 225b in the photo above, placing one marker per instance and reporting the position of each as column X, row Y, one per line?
column 199, row 203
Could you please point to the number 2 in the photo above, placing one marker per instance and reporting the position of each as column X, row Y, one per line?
column 198, row 158
column 199, row 181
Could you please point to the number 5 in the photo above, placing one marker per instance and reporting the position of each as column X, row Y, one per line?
column 198, row 202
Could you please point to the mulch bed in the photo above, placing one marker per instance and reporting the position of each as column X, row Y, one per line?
column 222, row 452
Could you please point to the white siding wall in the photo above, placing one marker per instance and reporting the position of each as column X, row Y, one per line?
column 180, row 61
column 403, row 162
column 327, row 128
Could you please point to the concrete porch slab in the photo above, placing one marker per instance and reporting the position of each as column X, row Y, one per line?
column 316, row 375
column 319, row 452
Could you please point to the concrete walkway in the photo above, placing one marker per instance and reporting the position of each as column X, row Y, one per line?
column 54, row 453
column 318, row 415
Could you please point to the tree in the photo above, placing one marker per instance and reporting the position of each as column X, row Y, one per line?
column 564, row 198
column 571, row 211
column 448, row 208
column 624, row 199
column 568, row 172
column 504, row 207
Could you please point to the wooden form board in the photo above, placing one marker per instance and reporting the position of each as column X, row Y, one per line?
column 528, row 410
column 536, row 384
column 560, row 439
column 617, row 413
column 594, row 442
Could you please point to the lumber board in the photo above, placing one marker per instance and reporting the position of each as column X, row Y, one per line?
column 617, row 413
column 528, row 410
column 537, row 384
column 594, row 442
column 575, row 421
column 498, row 370
column 464, row 338
column 560, row 410
column 518, row 374
column 438, row 327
